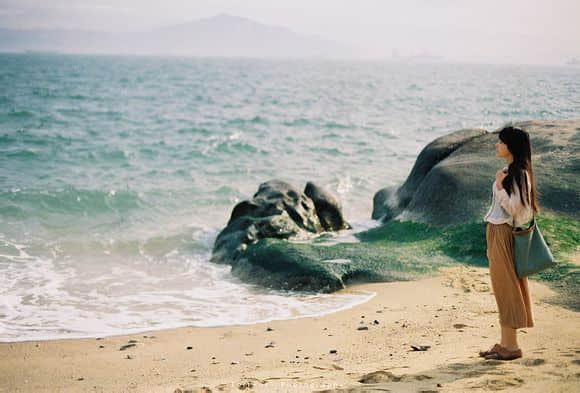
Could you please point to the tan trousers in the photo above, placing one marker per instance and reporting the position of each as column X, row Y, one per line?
column 512, row 294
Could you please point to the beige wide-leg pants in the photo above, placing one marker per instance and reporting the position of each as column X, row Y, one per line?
column 512, row 294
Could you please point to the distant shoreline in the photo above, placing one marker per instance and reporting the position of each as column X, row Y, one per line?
column 385, row 60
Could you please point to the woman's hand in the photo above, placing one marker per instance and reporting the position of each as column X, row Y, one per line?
column 499, row 176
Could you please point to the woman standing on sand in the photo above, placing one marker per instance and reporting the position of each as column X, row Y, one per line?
column 513, row 204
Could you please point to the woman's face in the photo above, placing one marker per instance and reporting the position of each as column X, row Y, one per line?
column 501, row 149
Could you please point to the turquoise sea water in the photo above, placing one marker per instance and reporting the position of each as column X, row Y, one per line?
column 116, row 173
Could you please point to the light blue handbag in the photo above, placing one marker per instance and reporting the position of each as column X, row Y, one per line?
column 531, row 252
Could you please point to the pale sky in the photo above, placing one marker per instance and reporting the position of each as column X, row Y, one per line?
column 532, row 31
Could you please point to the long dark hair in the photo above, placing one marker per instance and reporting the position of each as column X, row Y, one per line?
column 518, row 143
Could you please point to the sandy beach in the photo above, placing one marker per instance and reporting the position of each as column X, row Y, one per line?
column 414, row 336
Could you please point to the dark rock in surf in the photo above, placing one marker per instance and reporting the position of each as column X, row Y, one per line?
column 278, row 210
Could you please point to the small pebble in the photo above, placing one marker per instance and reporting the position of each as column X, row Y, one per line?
column 245, row 385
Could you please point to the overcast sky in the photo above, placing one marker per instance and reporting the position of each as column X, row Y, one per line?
column 527, row 31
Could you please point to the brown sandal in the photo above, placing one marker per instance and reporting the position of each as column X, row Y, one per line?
column 493, row 350
column 505, row 354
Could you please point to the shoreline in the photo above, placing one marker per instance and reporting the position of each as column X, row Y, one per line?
column 372, row 342
column 163, row 329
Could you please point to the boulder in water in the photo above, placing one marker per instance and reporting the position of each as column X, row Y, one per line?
column 277, row 210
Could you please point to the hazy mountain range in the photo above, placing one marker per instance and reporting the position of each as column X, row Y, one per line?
column 222, row 35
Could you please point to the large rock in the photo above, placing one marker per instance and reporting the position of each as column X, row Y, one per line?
column 277, row 210
column 451, row 180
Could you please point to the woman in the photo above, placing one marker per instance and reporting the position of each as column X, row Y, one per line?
column 513, row 204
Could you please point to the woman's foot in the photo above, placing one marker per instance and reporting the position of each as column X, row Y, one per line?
column 493, row 350
column 505, row 354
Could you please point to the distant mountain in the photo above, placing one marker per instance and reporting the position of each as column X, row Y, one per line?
column 222, row 35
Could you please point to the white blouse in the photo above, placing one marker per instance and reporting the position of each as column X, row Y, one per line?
column 509, row 209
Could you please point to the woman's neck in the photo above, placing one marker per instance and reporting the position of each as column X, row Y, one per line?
column 509, row 159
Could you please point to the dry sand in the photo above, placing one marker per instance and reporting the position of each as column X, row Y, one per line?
column 454, row 314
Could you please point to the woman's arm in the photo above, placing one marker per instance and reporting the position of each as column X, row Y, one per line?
column 513, row 204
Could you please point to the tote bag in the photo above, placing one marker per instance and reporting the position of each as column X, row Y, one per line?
column 531, row 252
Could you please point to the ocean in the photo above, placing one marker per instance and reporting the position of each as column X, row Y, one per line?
column 118, row 172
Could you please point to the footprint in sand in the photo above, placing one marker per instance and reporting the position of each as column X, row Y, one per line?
column 379, row 376
column 533, row 362
column 499, row 383
column 473, row 370
column 387, row 376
